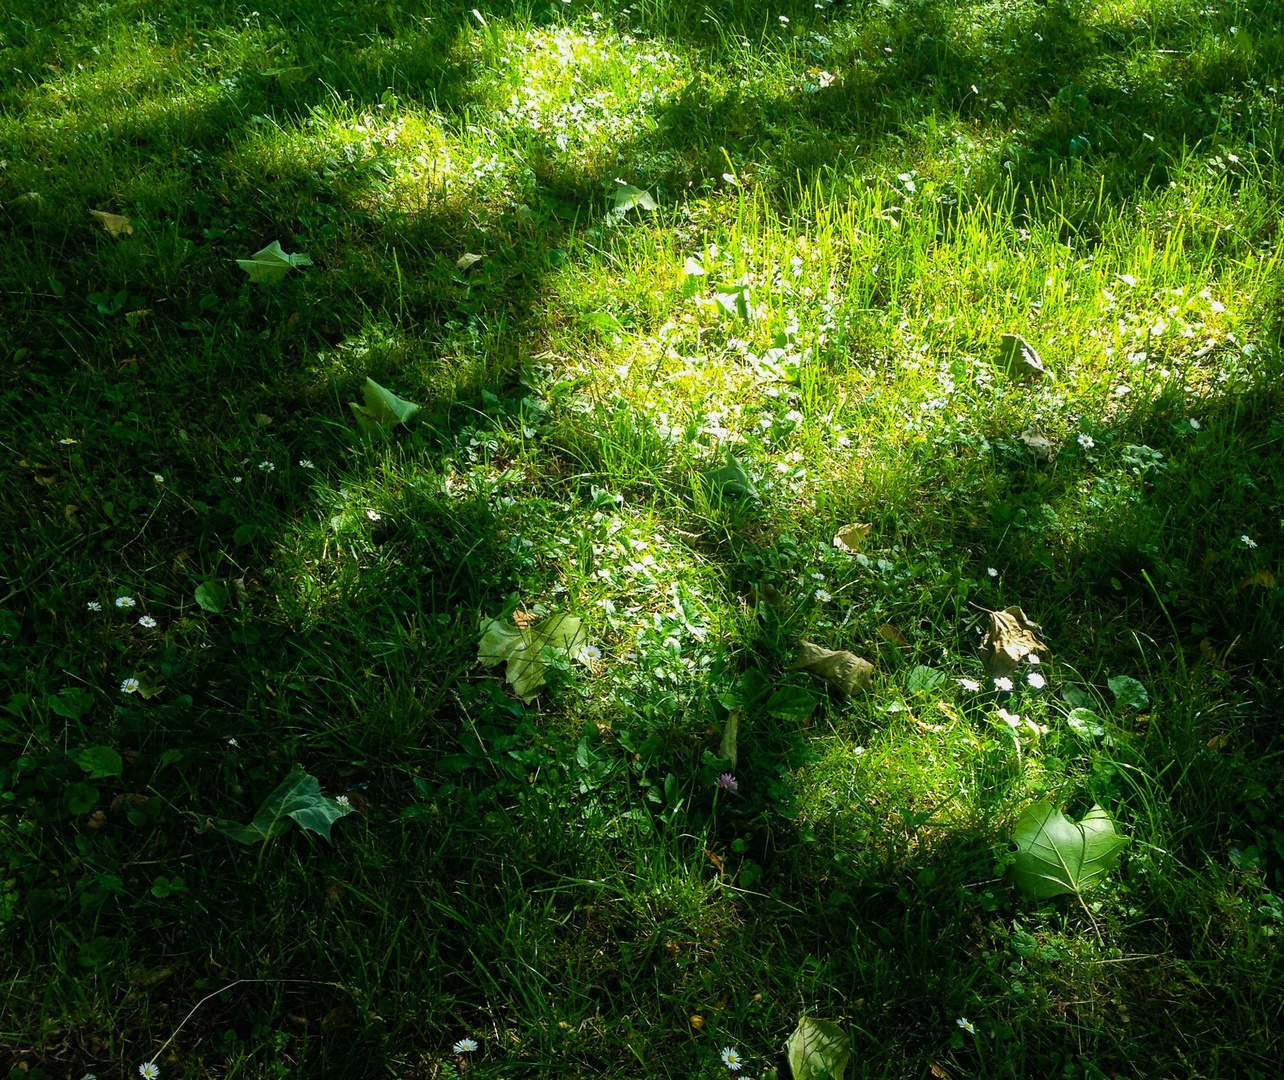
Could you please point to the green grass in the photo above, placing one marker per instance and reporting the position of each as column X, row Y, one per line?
column 871, row 194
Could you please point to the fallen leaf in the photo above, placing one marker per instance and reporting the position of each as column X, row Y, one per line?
column 1128, row 692
column 1011, row 638
column 135, row 317
column 520, row 649
column 727, row 748
column 116, row 224
column 627, row 197
column 467, row 261
column 768, row 594
column 715, row 860
column 890, row 634
column 269, row 265
column 1263, row 578
column 818, row 1050
column 938, row 1071
column 731, row 480
column 383, row 410
column 1218, row 742
column 845, row 670
column 850, row 538
column 1018, row 358
column 262, row 419
column 1055, row 855
column 1035, row 441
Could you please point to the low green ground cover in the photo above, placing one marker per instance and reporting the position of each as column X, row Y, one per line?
column 680, row 292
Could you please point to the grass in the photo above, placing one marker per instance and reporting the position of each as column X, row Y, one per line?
column 853, row 202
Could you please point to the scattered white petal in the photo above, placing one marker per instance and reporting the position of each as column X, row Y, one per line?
column 237, row 479
column 1036, row 680
column 94, row 605
column 304, row 463
column 970, row 685
column 1194, row 424
column 1002, row 683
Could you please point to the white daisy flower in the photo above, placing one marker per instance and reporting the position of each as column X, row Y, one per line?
column 992, row 571
column 465, row 1046
column 304, row 463
column 593, row 653
column 373, row 515
column 266, row 466
column 147, row 622
column 965, row 1024
column 822, row 596
column 731, row 1058
column 130, row 686
column 68, row 442
column 1086, row 442
column 343, row 800
column 1248, row 541
column 94, row 605
column 158, row 477
column 149, row 1070
column 124, row 602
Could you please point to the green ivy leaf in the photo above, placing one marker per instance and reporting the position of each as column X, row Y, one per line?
column 791, row 703
column 520, row 649
column 1055, row 855
column 72, row 703
column 730, row 480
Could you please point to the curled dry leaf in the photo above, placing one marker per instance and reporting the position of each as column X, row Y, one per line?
column 467, row 261
column 1263, row 579
column 1011, row 638
column 1018, row 358
column 116, row 224
column 727, row 748
column 845, row 670
column 851, row 538
column 890, row 634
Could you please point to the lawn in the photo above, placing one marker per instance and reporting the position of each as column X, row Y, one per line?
column 437, row 439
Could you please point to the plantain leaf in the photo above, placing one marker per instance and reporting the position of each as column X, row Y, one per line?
column 1128, row 692
column 818, row 1050
column 727, row 749
column 1055, row 855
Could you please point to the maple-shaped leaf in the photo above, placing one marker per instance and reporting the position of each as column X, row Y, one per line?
column 1055, row 855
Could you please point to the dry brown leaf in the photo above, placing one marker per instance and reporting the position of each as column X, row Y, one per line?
column 889, row 633
column 851, row 538
column 1263, row 578
column 116, row 224
column 1011, row 638
column 938, row 1071
column 262, row 419
column 1218, row 742
column 845, row 670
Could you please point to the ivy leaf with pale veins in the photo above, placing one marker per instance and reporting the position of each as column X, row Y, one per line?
column 1055, row 855
column 845, row 670
column 298, row 799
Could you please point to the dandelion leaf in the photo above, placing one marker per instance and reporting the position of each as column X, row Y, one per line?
column 818, row 1050
column 1011, row 638
column 1055, row 855
column 382, row 411
column 845, row 670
